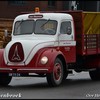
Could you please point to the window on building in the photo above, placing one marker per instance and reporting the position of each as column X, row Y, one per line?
column 17, row 2
column 51, row 3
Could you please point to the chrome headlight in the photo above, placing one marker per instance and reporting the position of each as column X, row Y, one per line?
column 44, row 60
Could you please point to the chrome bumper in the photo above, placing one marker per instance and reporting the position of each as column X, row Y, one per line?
column 22, row 70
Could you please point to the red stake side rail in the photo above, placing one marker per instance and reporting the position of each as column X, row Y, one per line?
column 91, row 44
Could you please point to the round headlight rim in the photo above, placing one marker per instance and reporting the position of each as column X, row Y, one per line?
column 44, row 60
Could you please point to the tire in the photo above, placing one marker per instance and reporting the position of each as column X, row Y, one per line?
column 5, row 79
column 56, row 77
column 95, row 74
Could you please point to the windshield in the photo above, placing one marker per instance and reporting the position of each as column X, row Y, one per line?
column 40, row 26
column 24, row 27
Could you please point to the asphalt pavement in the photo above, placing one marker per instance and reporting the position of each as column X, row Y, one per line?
column 76, row 86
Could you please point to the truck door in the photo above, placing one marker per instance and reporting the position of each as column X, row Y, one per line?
column 67, row 41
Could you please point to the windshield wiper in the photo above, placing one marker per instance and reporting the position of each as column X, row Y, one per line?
column 45, row 23
column 19, row 25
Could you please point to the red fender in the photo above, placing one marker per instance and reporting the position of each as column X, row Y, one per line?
column 51, row 54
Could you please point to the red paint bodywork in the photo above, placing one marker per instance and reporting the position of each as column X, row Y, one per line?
column 50, row 52
column 16, row 53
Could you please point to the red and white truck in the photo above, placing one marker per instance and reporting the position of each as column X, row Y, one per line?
column 51, row 45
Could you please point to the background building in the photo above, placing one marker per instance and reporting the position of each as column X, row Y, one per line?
column 88, row 5
column 12, row 8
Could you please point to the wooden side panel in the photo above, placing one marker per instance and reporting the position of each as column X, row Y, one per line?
column 5, row 24
column 91, row 22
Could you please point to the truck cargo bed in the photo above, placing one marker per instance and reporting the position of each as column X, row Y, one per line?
column 91, row 44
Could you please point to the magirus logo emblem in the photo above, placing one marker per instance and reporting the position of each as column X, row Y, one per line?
column 16, row 53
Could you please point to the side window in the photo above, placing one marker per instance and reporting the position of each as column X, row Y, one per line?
column 66, row 28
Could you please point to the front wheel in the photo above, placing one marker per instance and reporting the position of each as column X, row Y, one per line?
column 95, row 74
column 5, row 79
column 56, row 77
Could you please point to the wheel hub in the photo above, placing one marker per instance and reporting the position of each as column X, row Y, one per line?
column 57, row 71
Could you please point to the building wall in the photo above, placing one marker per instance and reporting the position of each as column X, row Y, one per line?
column 9, row 9
column 12, row 8
column 87, row 5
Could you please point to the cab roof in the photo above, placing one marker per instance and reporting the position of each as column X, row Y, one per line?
column 52, row 16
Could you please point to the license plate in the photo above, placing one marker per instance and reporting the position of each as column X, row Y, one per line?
column 14, row 74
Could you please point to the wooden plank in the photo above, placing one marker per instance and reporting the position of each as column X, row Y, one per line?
column 5, row 24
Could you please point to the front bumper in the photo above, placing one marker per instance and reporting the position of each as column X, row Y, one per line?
column 23, row 70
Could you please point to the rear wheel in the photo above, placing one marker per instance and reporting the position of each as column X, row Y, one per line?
column 56, row 77
column 95, row 74
column 5, row 79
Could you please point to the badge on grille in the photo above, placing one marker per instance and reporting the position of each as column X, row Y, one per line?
column 16, row 53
